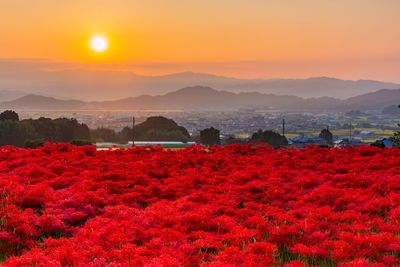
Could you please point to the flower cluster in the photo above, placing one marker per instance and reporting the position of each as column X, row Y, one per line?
column 239, row 205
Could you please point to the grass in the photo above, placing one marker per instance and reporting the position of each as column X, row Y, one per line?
column 291, row 135
column 286, row 256
column 376, row 131
column 368, row 140
column 242, row 135
column 344, row 132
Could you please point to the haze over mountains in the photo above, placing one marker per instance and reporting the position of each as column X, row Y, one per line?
column 206, row 98
column 7, row 95
column 96, row 85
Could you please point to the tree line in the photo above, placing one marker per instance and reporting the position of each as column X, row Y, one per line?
column 30, row 132
column 34, row 132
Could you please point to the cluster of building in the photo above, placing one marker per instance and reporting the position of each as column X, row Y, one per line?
column 302, row 128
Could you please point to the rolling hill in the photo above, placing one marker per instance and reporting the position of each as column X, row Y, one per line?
column 206, row 98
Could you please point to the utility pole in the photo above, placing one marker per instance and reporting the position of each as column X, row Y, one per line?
column 133, row 131
column 283, row 127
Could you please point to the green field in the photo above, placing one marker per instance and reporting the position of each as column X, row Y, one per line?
column 345, row 132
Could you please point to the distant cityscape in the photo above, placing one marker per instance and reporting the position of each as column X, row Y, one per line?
column 365, row 127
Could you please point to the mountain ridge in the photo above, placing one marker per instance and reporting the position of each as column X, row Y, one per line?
column 207, row 98
column 95, row 84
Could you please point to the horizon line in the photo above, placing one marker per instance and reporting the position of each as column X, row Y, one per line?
column 102, row 67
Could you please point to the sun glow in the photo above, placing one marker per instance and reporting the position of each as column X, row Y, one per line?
column 99, row 43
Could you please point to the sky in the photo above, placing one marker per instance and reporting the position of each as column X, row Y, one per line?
column 352, row 39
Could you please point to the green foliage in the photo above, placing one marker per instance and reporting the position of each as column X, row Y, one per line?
column 9, row 115
column 396, row 137
column 58, row 130
column 232, row 140
column 13, row 133
column 153, row 129
column 33, row 143
column 326, row 135
column 80, row 142
column 210, row 136
column 378, row 143
column 31, row 133
column 125, row 135
column 160, row 129
column 272, row 138
column 104, row 135
column 285, row 256
column 161, row 135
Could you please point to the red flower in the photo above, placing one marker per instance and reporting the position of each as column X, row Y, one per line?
column 238, row 205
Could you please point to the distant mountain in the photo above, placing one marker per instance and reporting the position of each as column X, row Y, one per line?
column 74, row 82
column 375, row 100
column 37, row 102
column 315, row 87
column 391, row 110
column 206, row 98
column 199, row 97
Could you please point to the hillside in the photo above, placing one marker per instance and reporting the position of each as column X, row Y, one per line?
column 375, row 100
column 199, row 97
column 206, row 98
column 391, row 110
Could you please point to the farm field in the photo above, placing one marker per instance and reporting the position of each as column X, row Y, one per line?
column 342, row 132
column 238, row 205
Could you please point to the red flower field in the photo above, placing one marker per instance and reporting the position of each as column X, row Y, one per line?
column 238, row 205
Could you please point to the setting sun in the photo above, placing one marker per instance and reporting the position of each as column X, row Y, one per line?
column 99, row 43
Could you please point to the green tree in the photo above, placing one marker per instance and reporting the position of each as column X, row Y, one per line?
column 69, row 129
column 326, row 135
column 80, row 142
column 210, row 136
column 12, row 133
column 9, row 115
column 104, row 135
column 160, row 129
column 31, row 133
column 125, row 135
column 33, row 143
column 396, row 136
column 43, row 128
column 272, row 138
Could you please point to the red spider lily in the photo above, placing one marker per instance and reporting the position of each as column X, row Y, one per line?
column 239, row 205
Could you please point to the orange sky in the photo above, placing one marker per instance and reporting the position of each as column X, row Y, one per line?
column 245, row 38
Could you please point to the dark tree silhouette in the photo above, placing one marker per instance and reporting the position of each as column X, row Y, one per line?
column 125, row 135
column 31, row 133
column 396, row 136
column 13, row 133
column 104, row 135
column 272, row 138
column 153, row 129
column 9, row 115
column 210, row 136
column 326, row 135
column 160, row 129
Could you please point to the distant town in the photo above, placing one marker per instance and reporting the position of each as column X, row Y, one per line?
column 300, row 128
